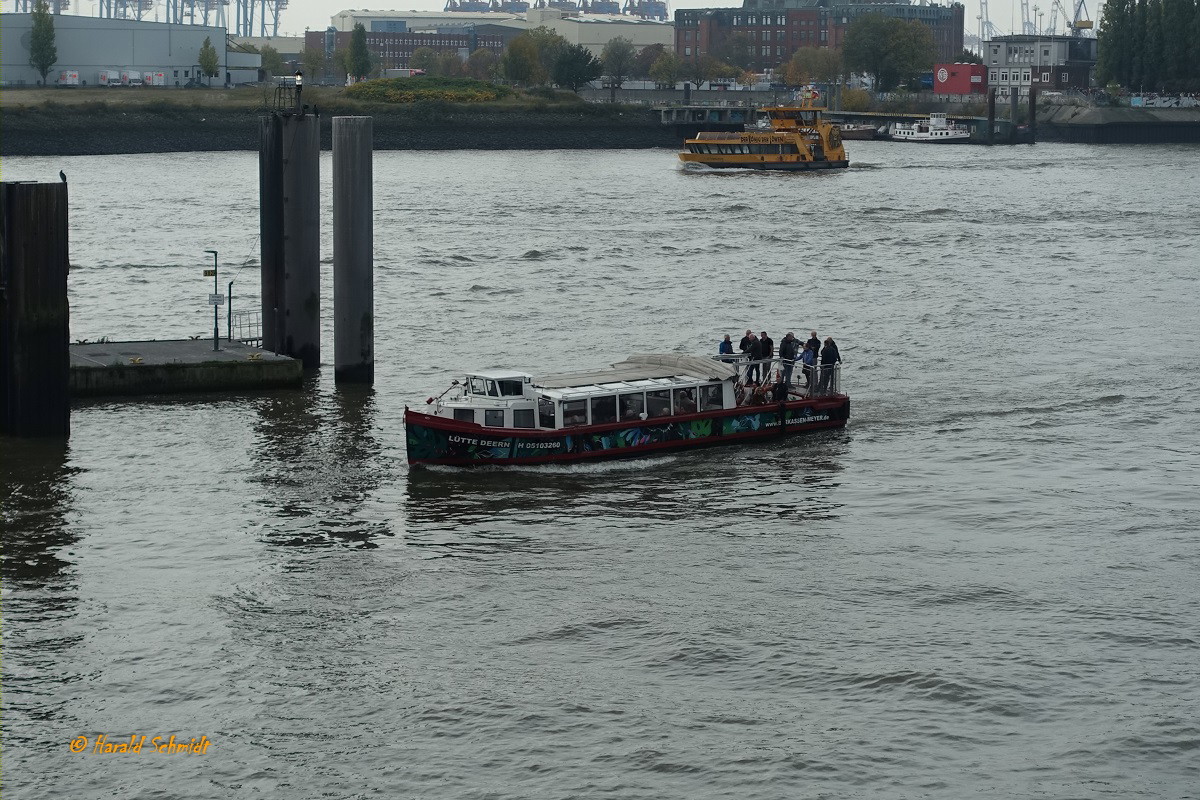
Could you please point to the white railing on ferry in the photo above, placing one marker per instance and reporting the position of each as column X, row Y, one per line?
column 824, row 380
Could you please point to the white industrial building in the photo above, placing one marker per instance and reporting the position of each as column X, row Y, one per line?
column 89, row 45
column 593, row 31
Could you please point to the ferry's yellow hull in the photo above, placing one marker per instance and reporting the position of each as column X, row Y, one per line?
column 792, row 164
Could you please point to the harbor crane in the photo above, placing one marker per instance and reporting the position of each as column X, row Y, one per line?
column 1027, row 25
column 987, row 31
column 1077, row 23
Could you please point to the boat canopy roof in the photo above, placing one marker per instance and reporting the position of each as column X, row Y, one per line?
column 642, row 367
column 499, row 375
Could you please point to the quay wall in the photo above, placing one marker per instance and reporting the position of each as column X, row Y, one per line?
column 1112, row 125
column 216, row 376
column 85, row 130
column 79, row 131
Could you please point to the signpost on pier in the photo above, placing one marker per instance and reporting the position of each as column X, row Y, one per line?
column 216, row 299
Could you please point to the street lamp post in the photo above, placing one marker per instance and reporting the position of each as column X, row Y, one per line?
column 299, row 89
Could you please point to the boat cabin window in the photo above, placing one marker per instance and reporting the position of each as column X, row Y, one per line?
column 632, row 406
column 574, row 413
column 685, row 401
column 523, row 417
column 464, row 414
column 478, row 386
column 604, row 409
column 493, row 417
column 711, row 397
column 658, row 404
column 510, row 388
column 545, row 412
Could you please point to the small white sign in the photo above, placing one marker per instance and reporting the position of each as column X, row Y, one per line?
column 216, row 299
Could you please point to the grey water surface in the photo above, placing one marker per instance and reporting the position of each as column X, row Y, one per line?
column 985, row 586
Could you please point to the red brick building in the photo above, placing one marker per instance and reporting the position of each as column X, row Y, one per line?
column 960, row 79
column 777, row 28
column 394, row 48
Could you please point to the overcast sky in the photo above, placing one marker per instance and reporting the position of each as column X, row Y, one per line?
column 315, row 14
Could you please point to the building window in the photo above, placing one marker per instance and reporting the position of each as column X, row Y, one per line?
column 1004, row 76
column 687, row 51
column 1065, row 77
column 1024, row 77
column 1045, row 77
column 766, row 51
column 992, row 76
column 687, row 36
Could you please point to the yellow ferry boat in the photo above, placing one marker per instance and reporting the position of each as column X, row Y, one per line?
column 792, row 138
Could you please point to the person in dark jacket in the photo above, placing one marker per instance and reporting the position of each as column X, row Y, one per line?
column 753, row 375
column 787, row 356
column 829, row 357
column 744, row 345
column 768, row 352
column 814, row 344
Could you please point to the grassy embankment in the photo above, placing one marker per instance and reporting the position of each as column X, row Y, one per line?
column 410, row 113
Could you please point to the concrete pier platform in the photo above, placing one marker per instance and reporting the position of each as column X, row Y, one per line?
column 170, row 366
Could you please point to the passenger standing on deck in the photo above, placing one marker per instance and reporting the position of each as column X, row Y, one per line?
column 814, row 344
column 787, row 356
column 829, row 357
column 809, row 359
column 725, row 348
column 755, row 352
column 745, row 343
column 768, row 352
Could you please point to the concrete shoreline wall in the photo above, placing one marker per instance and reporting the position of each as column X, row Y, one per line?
column 60, row 131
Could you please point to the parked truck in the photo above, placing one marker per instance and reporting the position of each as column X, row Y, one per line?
column 155, row 77
column 68, row 77
column 131, row 77
column 108, row 77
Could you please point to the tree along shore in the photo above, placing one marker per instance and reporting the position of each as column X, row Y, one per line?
column 103, row 129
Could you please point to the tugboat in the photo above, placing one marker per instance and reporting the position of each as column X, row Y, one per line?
column 642, row 405
column 787, row 138
column 935, row 128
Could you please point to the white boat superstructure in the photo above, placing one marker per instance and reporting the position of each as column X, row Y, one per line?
column 935, row 128
column 641, row 387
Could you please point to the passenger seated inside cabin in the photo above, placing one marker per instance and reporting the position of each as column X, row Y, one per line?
column 574, row 413
column 658, row 404
column 710, row 398
column 685, row 401
column 604, row 409
column 632, row 406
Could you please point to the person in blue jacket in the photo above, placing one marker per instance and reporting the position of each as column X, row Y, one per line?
column 726, row 348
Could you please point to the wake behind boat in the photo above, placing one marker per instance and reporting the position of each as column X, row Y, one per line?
column 644, row 404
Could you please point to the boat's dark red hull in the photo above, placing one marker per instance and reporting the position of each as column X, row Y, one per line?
column 438, row 440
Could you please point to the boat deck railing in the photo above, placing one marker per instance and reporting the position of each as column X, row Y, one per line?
column 816, row 381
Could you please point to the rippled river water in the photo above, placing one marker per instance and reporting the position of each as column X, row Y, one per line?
column 985, row 586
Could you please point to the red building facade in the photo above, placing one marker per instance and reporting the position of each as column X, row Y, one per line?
column 960, row 79
column 773, row 32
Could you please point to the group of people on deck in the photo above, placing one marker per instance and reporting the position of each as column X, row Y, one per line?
column 759, row 350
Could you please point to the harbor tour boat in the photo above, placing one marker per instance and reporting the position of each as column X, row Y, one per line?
column 642, row 405
column 786, row 138
column 934, row 128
